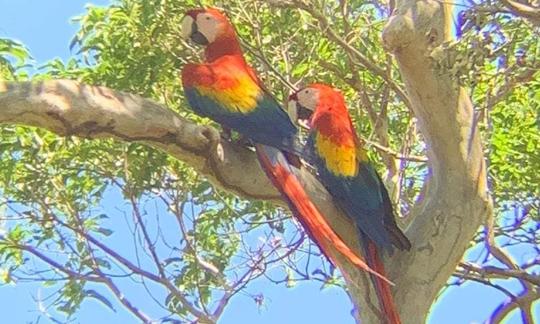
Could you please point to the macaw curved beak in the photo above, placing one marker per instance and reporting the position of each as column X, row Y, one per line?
column 292, row 110
column 304, row 113
column 191, row 31
column 298, row 113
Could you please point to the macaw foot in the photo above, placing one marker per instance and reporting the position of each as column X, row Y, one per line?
column 244, row 141
column 226, row 134
column 293, row 159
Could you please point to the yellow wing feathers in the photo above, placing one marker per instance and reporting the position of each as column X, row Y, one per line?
column 341, row 160
column 238, row 95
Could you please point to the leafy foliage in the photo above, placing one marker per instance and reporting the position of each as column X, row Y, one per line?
column 13, row 56
column 58, row 195
column 497, row 56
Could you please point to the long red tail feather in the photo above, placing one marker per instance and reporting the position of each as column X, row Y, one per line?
column 382, row 288
column 278, row 170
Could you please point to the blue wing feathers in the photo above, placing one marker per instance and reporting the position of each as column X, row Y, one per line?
column 360, row 197
column 268, row 124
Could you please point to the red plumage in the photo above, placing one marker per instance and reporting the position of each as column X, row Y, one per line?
column 197, row 74
column 283, row 178
column 217, row 72
column 332, row 118
column 384, row 293
column 224, row 59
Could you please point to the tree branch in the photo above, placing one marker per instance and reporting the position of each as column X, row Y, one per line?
column 100, row 278
column 70, row 108
column 523, row 10
column 499, row 273
column 126, row 302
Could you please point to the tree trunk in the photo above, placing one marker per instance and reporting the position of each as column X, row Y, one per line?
column 455, row 199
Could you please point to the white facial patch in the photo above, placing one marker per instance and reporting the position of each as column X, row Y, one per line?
column 187, row 23
column 208, row 26
column 308, row 98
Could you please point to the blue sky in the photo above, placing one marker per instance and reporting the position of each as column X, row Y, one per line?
column 43, row 26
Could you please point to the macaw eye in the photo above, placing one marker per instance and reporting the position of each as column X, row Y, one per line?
column 306, row 91
column 207, row 17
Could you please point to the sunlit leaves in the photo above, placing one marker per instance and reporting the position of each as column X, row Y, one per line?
column 496, row 57
column 73, row 296
column 515, row 143
column 13, row 57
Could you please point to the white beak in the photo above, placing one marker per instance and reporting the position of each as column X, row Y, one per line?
column 292, row 110
column 187, row 24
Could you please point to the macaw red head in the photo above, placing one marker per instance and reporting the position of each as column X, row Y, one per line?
column 205, row 26
column 307, row 104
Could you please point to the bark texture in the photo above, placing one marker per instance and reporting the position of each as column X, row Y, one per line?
column 70, row 108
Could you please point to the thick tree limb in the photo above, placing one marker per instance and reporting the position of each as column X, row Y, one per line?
column 525, row 10
column 70, row 108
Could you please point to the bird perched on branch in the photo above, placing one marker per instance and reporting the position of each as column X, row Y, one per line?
column 344, row 169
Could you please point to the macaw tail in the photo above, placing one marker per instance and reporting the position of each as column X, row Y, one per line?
column 382, row 288
column 278, row 169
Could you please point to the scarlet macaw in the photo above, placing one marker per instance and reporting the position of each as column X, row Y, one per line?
column 344, row 169
column 226, row 89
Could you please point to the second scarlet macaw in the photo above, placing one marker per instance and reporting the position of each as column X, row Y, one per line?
column 225, row 89
column 343, row 167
